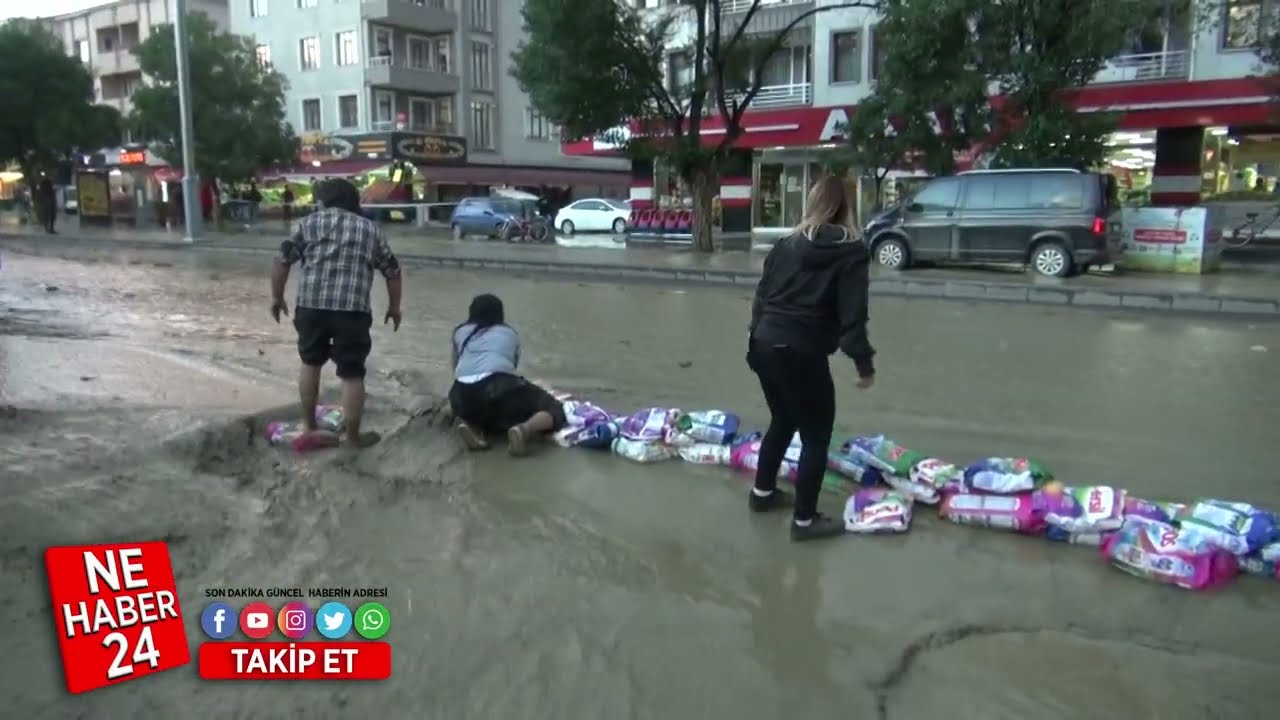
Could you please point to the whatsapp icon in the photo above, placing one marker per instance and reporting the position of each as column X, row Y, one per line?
column 372, row 620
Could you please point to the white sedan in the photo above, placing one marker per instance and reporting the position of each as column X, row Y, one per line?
column 594, row 215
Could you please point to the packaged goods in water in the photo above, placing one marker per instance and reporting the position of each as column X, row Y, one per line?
column 1005, row 475
column 745, row 456
column 1164, row 553
column 649, row 425
column 1083, row 509
column 706, row 453
column 1019, row 513
column 1239, row 528
column 641, row 451
column 705, row 426
column 926, row 480
column 882, row 453
column 877, row 510
column 854, row 469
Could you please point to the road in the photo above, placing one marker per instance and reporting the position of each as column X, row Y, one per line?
column 574, row 584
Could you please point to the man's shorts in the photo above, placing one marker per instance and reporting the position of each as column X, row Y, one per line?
column 338, row 335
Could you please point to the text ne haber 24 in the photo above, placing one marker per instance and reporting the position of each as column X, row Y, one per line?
column 121, row 611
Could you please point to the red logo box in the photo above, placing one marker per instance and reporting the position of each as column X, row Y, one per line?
column 116, row 611
column 295, row 660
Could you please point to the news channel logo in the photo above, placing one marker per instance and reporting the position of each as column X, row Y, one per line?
column 295, row 620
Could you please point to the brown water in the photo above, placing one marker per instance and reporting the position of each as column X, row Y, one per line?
column 575, row 584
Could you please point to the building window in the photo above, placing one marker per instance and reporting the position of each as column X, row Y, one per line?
column 82, row 50
column 263, row 53
column 537, row 127
column 311, row 121
column 309, row 53
column 257, row 8
column 846, row 57
column 1242, row 23
column 442, row 49
column 307, row 3
column 444, row 114
column 382, row 45
column 480, row 14
column 348, row 111
column 679, row 71
column 107, row 38
column 481, row 125
column 877, row 55
column 345, row 46
column 481, row 74
column 419, row 53
column 384, row 110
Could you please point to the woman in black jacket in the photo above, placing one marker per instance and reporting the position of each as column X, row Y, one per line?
column 811, row 301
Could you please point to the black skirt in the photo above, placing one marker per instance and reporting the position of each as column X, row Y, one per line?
column 502, row 401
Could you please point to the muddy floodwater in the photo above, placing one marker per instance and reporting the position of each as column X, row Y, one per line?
column 574, row 584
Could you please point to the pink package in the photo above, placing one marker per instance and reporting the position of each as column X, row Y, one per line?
column 745, row 457
column 1019, row 512
column 1161, row 552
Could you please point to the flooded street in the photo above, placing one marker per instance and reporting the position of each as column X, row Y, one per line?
column 575, row 584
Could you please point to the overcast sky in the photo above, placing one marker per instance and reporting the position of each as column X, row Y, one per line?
column 45, row 8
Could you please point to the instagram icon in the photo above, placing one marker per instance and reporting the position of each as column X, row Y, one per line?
column 295, row 620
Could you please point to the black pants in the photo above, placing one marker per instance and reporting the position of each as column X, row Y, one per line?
column 801, row 398
column 502, row 401
column 337, row 335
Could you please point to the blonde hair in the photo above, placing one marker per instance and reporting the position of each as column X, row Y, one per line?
column 829, row 203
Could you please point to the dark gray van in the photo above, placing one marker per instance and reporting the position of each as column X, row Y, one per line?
column 1057, row 221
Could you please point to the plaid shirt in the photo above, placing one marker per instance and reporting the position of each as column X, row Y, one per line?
column 339, row 252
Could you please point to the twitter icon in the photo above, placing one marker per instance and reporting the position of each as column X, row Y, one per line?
column 333, row 620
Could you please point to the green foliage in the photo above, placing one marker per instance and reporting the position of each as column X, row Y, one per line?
column 237, row 113
column 930, row 100
column 1037, row 49
column 48, row 109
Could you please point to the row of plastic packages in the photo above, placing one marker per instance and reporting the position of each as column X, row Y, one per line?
column 1198, row 545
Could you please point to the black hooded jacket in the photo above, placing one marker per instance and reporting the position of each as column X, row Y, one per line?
column 812, row 296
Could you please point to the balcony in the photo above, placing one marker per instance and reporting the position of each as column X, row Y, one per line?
column 783, row 95
column 393, row 126
column 426, row 16
column 386, row 72
column 1145, row 67
column 771, row 17
column 729, row 7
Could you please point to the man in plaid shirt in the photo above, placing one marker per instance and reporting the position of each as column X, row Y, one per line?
column 339, row 250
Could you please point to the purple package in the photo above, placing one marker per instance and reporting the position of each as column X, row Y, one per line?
column 580, row 413
column 1137, row 507
column 648, row 425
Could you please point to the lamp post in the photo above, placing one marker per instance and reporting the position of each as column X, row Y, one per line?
column 190, row 180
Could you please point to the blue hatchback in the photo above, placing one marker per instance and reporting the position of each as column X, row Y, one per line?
column 483, row 216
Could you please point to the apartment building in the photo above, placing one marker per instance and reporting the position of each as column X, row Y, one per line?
column 1175, row 91
column 425, row 81
column 104, row 36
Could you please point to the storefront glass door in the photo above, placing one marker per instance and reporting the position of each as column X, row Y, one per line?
column 780, row 193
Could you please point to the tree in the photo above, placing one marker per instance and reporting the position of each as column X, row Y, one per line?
column 1037, row 51
column 237, row 105
column 930, row 99
column 600, row 68
column 48, row 101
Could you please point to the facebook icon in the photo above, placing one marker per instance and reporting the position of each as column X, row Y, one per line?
column 218, row 621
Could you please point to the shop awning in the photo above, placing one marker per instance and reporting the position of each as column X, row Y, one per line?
column 337, row 168
column 520, row 176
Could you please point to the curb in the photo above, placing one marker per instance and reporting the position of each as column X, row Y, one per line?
column 968, row 290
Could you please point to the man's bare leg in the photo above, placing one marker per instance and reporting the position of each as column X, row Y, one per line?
column 353, row 396
column 309, row 394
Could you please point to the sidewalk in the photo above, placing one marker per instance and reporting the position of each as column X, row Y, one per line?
column 1229, row 292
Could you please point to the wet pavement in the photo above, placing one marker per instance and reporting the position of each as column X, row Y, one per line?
column 575, row 584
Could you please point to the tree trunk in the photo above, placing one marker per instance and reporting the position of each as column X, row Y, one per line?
column 703, row 185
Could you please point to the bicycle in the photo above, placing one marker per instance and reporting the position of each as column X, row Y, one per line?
column 1238, row 238
column 534, row 230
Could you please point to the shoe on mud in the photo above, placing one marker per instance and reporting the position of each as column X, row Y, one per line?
column 821, row 526
column 764, row 503
column 517, row 441
column 472, row 439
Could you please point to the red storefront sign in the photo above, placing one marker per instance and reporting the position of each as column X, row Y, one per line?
column 1238, row 101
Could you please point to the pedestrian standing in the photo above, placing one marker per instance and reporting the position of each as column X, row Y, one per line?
column 338, row 249
column 286, row 202
column 48, row 205
column 811, row 301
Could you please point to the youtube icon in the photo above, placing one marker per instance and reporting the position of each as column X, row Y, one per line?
column 256, row 620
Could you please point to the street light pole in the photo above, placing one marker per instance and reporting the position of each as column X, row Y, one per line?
column 190, row 180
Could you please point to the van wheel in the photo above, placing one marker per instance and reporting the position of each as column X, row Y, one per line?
column 458, row 233
column 893, row 254
column 1052, row 259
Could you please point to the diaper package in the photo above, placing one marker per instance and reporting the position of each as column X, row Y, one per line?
column 1089, row 539
column 854, row 469
column 877, row 510
column 641, row 451
column 580, row 413
column 649, row 425
column 1164, row 553
column 707, row 426
column 745, row 456
column 882, row 453
column 1264, row 562
column 705, row 453
column 1149, row 509
column 1082, row 509
column 281, row 432
column 1005, row 475
column 598, row 436
column 1238, row 528
column 1019, row 513
column 925, row 480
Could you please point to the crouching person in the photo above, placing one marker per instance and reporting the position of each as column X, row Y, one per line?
column 487, row 396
